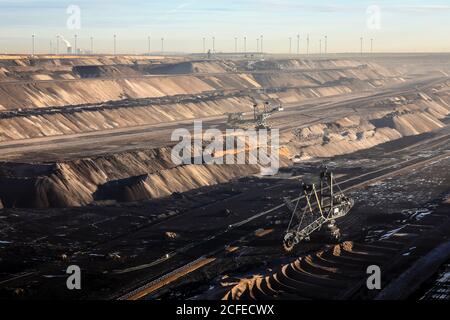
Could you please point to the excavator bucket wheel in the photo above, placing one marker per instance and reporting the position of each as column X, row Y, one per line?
column 289, row 243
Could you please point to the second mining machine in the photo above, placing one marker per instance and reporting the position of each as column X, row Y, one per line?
column 259, row 121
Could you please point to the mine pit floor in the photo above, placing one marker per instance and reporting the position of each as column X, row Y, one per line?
column 124, row 246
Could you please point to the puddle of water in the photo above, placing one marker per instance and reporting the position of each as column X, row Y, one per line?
column 391, row 233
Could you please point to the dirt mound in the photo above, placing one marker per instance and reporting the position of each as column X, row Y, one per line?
column 125, row 190
column 346, row 246
column 39, row 192
column 128, row 176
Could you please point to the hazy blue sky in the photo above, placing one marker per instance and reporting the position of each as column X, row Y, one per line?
column 405, row 25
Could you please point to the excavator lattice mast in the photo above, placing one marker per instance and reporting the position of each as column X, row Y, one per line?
column 323, row 207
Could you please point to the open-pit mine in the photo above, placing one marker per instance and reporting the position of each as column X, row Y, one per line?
column 87, row 177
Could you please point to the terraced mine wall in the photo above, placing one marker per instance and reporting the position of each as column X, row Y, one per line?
column 32, row 109
column 114, row 83
column 73, row 92
column 51, row 122
column 408, row 117
column 147, row 174
column 21, row 68
column 43, row 122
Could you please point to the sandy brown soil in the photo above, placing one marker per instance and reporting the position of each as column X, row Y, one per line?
column 85, row 147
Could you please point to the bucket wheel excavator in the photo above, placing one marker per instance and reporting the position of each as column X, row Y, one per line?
column 325, row 203
column 260, row 116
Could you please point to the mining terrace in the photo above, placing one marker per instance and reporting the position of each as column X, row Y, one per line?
column 86, row 176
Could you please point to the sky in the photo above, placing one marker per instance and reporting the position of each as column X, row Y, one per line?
column 394, row 26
